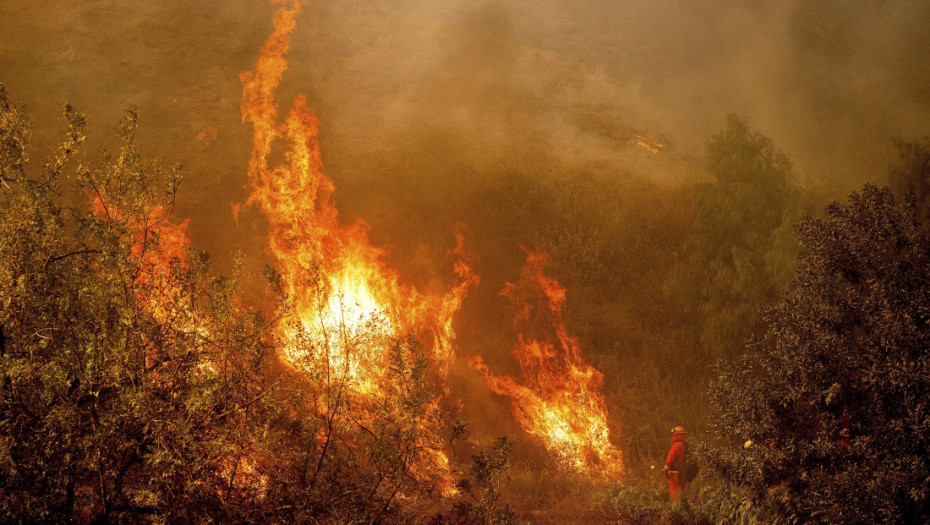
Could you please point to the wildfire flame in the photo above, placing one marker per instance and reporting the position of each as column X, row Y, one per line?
column 651, row 145
column 558, row 400
column 346, row 304
column 334, row 276
column 647, row 143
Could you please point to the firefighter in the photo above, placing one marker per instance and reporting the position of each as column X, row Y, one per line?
column 674, row 462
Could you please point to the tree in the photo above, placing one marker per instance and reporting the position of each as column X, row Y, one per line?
column 484, row 503
column 827, row 417
column 128, row 377
column 912, row 176
column 737, row 259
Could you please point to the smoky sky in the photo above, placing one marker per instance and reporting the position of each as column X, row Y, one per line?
column 421, row 102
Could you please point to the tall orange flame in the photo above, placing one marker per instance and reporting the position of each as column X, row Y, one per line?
column 335, row 277
column 558, row 400
column 346, row 304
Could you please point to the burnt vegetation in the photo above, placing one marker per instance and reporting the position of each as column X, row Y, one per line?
column 791, row 341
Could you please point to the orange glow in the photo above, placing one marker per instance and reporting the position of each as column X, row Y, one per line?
column 334, row 276
column 558, row 399
column 206, row 137
column 157, row 244
column 346, row 306
column 244, row 476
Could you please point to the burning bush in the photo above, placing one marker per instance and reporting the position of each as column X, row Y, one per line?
column 126, row 368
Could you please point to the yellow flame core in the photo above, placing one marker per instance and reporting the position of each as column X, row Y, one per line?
column 352, row 326
column 351, row 306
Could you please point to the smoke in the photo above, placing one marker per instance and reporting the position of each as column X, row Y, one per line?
column 421, row 102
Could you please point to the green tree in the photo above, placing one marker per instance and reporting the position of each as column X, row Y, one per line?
column 739, row 256
column 128, row 377
column 827, row 417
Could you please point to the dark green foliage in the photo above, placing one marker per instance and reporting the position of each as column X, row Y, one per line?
column 828, row 415
column 640, row 505
column 633, row 504
column 723, row 504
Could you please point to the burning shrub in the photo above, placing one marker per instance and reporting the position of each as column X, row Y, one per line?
column 126, row 371
column 349, row 455
column 559, row 399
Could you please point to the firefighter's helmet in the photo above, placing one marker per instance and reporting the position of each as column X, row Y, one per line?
column 678, row 430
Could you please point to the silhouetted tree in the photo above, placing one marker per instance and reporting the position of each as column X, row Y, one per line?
column 828, row 414
column 483, row 504
column 345, row 457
